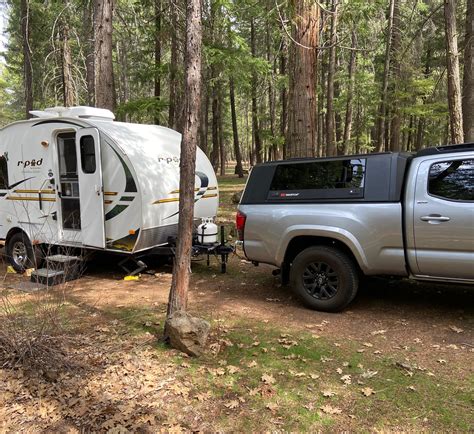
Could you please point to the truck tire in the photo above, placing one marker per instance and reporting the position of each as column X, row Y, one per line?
column 324, row 278
column 20, row 253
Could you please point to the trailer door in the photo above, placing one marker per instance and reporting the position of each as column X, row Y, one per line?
column 91, row 188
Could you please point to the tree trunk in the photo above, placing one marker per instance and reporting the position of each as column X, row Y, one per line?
column 89, row 38
column 238, row 157
column 380, row 131
column 204, row 127
column 215, row 128
column 454, row 82
column 468, row 83
column 69, row 97
column 192, row 104
column 255, row 126
column 302, row 99
column 172, row 114
column 396, row 122
column 27, row 66
column 330, row 127
column 350, row 95
column 157, row 75
column 104, row 85
column 221, row 134
column 283, row 93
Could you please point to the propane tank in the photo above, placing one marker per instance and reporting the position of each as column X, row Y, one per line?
column 207, row 231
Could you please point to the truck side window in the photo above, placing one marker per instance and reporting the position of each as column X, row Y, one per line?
column 87, row 154
column 453, row 180
column 3, row 173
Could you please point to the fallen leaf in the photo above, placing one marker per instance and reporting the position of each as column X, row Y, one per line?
column 378, row 332
column 232, row 404
column 367, row 391
column 254, row 392
column 412, row 388
column 271, row 406
column 330, row 410
column 232, row 369
column 252, row 364
column 314, row 376
column 456, row 329
column 339, row 371
column 369, row 374
column 346, row 379
column 368, row 344
column 203, row 396
column 442, row 361
column 268, row 379
column 328, row 393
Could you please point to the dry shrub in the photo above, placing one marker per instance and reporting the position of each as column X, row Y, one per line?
column 34, row 332
column 32, row 338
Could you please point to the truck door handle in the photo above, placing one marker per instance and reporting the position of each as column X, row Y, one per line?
column 434, row 218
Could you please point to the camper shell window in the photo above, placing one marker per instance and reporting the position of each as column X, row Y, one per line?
column 88, row 154
column 333, row 179
column 3, row 173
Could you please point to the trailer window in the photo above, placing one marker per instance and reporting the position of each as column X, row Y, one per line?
column 453, row 180
column 325, row 179
column 88, row 154
column 3, row 173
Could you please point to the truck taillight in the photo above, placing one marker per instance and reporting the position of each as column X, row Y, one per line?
column 240, row 224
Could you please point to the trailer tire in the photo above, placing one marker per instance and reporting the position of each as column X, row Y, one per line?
column 324, row 278
column 20, row 252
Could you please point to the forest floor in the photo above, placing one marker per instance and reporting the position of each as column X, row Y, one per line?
column 400, row 358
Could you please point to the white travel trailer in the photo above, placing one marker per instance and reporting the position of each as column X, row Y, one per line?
column 75, row 177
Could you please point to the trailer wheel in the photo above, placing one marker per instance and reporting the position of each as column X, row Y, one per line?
column 20, row 252
column 324, row 278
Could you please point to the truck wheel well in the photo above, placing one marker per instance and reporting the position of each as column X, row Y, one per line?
column 298, row 244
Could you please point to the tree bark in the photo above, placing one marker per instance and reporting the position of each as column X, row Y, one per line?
column 255, row 123
column 172, row 115
column 157, row 75
column 27, row 65
column 235, row 131
column 283, row 93
column 192, row 105
column 454, row 83
column 330, row 121
column 380, row 130
column 215, row 128
column 396, row 45
column 302, row 130
column 350, row 95
column 104, row 73
column 468, row 83
column 69, row 94
column 89, row 44
column 220, row 126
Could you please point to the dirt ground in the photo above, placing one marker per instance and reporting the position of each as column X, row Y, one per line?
column 430, row 327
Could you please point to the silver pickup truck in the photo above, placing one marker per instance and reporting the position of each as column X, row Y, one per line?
column 326, row 222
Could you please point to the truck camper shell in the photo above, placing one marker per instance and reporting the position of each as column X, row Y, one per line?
column 75, row 177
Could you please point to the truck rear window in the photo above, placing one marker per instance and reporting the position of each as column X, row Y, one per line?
column 334, row 179
column 452, row 180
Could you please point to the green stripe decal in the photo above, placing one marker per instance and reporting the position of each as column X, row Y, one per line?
column 127, row 198
column 115, row 211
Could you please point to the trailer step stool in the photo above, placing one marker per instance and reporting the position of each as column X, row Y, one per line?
column 59, row 269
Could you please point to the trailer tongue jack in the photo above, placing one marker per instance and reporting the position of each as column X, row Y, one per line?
column 220, row 250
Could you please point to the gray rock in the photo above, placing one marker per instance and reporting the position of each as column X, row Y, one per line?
column 187, row 333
